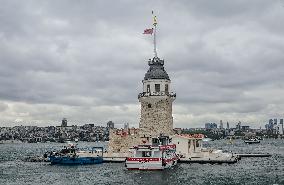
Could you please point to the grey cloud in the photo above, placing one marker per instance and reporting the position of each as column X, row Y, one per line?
column 85, row 59
column 3, row 107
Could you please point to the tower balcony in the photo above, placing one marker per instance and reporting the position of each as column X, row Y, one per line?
column 161, row 93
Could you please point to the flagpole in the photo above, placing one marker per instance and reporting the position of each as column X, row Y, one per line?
column 155, row 45
column 154, row 40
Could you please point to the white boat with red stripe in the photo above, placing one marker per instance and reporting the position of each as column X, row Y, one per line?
column 156, row 156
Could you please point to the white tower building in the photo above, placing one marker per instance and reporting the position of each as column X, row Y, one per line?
column 156, row 101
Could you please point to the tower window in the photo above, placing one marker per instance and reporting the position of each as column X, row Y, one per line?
column 148, row 88
column 149, row 105
column 167, row 88
column 157, row 87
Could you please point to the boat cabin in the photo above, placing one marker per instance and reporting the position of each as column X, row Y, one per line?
column 187, row 144
column 158, row 155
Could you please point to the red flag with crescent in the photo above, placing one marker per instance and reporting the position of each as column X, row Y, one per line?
column 148, row 31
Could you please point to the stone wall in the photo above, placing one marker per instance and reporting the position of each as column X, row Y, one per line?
column 121, row 140
column 156, row 116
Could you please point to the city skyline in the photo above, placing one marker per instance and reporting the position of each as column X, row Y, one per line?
column 85, row 60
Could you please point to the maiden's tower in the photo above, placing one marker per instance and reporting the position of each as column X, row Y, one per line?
column 156, row 101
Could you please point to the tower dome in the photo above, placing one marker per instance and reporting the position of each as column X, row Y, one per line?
column 156, row 70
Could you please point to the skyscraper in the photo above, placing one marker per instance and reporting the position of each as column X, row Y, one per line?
column 64, row 122
column 275, row 121
column 239, row 126
column 221, row 124
column 110, row 124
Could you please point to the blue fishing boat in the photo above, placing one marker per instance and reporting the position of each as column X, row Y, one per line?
column 71, row 155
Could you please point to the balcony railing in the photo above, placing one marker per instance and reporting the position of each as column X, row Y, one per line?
column 161, row 93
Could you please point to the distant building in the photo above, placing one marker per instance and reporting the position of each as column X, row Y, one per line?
column 210, row 125
column 221, row 124
column 228, row 125
column 64, row 122
column 126, row 126
column 280, row 127
column 270, row 125
column 110, row 124
column 275, row 121
column 239, row 126
column 245, row 128
column 273, row 127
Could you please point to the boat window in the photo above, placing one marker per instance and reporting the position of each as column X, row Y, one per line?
column 156, row 154
column 146, row 154
column 138, row 154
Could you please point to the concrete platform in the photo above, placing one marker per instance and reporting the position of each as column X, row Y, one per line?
column 114, row 159
column 183, row 160
column 253, row 155
column 208, row 160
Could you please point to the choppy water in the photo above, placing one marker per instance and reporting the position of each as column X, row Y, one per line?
column 258, row 171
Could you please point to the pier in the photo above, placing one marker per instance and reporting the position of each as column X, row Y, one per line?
column 253, row 155
column 114, row 159
column 120, row 159
column 209, row 161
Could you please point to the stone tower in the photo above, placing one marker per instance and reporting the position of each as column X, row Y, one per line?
column 156, row 101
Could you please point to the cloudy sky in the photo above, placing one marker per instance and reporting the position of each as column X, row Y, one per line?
column 84, row 60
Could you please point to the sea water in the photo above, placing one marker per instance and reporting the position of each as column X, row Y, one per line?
column 259, row 171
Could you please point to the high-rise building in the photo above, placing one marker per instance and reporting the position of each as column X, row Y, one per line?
column 280, row 129
column 210, row 125
column 270, row 124
column 275, row 121
column 228, row 125
column 64, row 122
column 221, row 124
column 239, row 126
column 126, row 126
column 281, row 121
column 110, row 124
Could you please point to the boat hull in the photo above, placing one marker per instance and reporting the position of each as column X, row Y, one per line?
column 252, row 142
column 75, row 160
column 136, row 164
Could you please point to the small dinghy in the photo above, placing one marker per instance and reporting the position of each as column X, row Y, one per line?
column 251, row 141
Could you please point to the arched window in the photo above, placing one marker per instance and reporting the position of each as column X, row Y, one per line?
column 148, row 88
column 157, row 87
column 166, row 88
